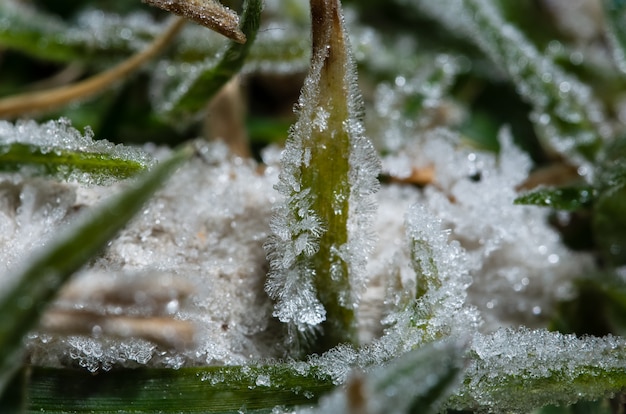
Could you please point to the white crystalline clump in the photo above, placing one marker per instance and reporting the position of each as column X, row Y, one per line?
column 437, row 308
column 520, row 266
column 518, row 263
column 203, row 234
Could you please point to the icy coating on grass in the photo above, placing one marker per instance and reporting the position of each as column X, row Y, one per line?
column 60, row 137
column 296, row 226
column 206, row 230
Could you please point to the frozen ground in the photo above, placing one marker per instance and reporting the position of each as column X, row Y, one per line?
column 194, row 259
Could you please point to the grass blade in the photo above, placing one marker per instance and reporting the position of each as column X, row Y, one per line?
column 36, row 285
column 227, row 389
column 194, row 94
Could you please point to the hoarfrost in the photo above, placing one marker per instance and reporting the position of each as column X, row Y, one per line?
column 529, row 360
column 296, row 225
column 535, row 76
column 199, row 246
column 57, row 136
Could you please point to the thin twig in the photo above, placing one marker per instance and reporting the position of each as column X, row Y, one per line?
column 17, row 105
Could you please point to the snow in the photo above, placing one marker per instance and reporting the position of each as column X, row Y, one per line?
column 201, row 241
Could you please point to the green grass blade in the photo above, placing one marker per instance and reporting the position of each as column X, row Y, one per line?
column 66, row 165
column 226, row 389
column 57, row 149
column 35, row 286
column 47, row 37
column 615, row 14
column 329, row 172
column 566, row 198
column 193, row 96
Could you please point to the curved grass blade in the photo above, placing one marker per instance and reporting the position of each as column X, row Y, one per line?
column 565, row 198
column 226, row 389
column 208, row 13
column 45, row 36
column 64, row 164
column 13, row 106
column 22, row 303
column 196, row 91
column 57, row 149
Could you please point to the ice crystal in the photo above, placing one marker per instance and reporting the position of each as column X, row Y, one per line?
column 565, row 112
column 326, row 214
column 546, row 368
column 195, row 254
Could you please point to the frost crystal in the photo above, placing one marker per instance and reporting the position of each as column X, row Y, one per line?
column 321, row 233
column 565, row 112
column 516, row 370
column 58, row 138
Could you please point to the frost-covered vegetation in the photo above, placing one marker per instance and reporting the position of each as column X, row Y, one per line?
column 441, row 229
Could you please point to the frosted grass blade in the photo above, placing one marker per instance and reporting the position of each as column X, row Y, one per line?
column 64, row 165
column 438, row 308
column 321, row 235
column 228, row 389
column 565, row 198
column 22, row 303
column 615, row 14
column 205, row 80
column 57, row 149
column 518, row 370
column 45, row 36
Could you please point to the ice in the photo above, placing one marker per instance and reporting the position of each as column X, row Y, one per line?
column 527, row 68
column 195, row 254
column 296, row 225
column 536, row 361
column 56, row 136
